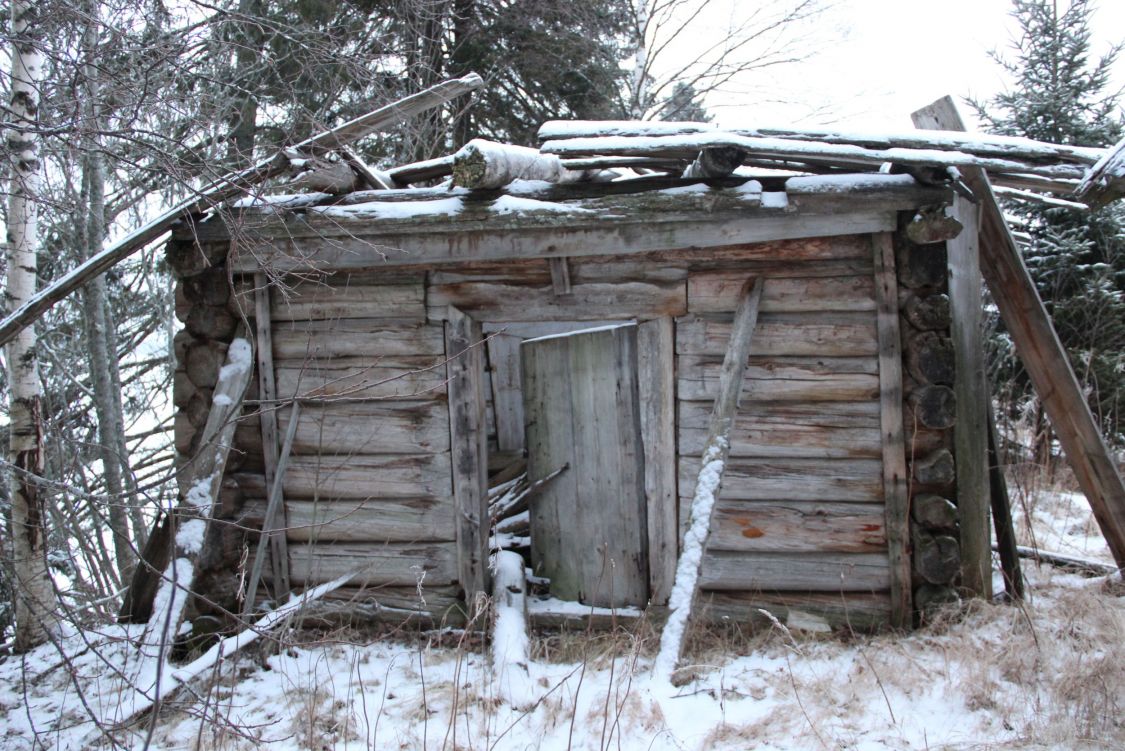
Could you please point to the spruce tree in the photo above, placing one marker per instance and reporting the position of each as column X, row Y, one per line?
column 1062, row 94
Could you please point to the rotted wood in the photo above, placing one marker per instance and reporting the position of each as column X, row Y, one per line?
column 267, row 416
column 936, row 468
column 934, row 406
column 934, row 513
column 1041, row 352
column 933, row 225
column 716, row 162
column 895, row 492
column 469, row 451
column 927, row 313
column 921, row 266
column 937, row 557
column 930, row 358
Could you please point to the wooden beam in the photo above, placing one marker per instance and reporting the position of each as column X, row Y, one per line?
column 709, row 482
column 657, row 387
column 468, row 437
column 970, row 431
column 227, row 187
column 1041, row 352
column 267, row 416
column 895, row 494
column 560, row 276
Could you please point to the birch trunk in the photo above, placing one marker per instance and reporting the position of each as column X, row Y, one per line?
column 34, row 596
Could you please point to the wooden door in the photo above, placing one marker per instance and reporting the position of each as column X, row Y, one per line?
column 588, row 525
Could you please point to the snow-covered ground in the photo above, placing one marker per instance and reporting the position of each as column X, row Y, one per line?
column 1049, row 674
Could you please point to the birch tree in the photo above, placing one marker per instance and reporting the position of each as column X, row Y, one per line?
column 34, row 594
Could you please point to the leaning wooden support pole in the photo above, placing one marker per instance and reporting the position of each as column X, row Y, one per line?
column 1040, row 350
column 715, row 453
column 193, row 514
column 232, row 186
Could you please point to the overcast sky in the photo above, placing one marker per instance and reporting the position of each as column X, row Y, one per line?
column 878, row 60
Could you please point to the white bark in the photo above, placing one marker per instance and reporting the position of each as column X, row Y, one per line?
column 34, row 597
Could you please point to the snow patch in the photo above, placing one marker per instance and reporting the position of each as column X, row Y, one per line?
column 395, row 209
column 199, row 494
column 775, row 200
column 240, row 357
column 509, row 204
column 847, row 183
column 190, row 536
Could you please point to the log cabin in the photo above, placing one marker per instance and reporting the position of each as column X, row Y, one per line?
column 533, row 357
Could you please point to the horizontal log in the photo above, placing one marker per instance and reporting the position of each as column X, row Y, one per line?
column 753, row 436
column 797, row 527
column 493, row 301
column 359, row 607
column 318, row 301
column 368, row 337
column 536, row 271
column 328, row 243
column 797, row 610
column 783, row 334
column 403, row 378
column 358, row 477
column 384, row 520
column 717, row 292
column 811, row 572
column 370, row 428
column 798, row 379
column 394, row 564
column 837, row 480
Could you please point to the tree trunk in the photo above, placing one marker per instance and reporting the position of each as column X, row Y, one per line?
column 98, row 323
column 34, row 600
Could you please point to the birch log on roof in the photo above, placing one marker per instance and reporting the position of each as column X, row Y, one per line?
column 484, row 164
column 1105, row 182
column 688, row 145
column 1007, row 147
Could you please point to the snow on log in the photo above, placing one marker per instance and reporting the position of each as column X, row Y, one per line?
column 687, row 145
column 484, row 164
column 1105, row 181
column 1010, row 147
column 509, row 631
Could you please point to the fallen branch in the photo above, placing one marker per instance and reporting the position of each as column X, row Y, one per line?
column 1068, row 562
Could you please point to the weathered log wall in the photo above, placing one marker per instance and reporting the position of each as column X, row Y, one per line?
column 800, row 527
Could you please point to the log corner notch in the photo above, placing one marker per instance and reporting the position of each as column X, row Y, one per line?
column 1038, row 345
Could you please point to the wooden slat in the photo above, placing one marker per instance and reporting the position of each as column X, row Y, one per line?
column 345, row 337
column 323, row 302
column 798, row 610
column 894, row 476
column 845, row 480
column 1001, row 508
column 797, row 527
column 751, row 437
column 811, row 572
column 970, row 436
column 468, row 451
column 401, row 378
column 560, row 275
column 783, row 335
column 797, row 379
column 655, row 365
column 375, row 520
column 717, row 292
column 507, row 401
column 494, row 301
column 1041, row 353
column 358, row 477
column 393, row 564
